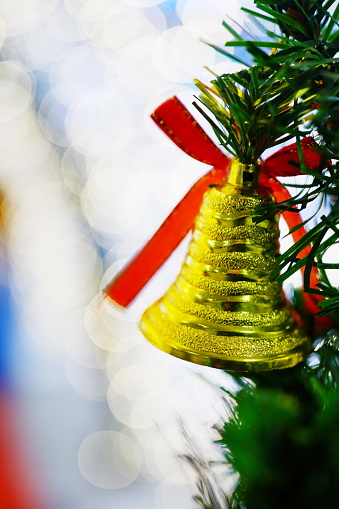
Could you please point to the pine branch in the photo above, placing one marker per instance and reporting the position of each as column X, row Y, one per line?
column 282, row 433
column 289, row 92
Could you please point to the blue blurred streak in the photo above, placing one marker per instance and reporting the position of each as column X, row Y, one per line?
column 6, row 336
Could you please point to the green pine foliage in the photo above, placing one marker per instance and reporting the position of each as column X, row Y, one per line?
column 290, row 91
column 256, row 109
column 283, row 436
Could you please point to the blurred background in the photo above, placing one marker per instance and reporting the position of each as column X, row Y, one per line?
column 86, row 178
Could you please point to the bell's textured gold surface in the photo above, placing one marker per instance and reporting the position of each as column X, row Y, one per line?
column 224, row 310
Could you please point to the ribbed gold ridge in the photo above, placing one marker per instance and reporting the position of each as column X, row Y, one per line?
column 224, row 310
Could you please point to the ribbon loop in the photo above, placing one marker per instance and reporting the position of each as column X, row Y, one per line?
column 279, row 164
column 181, row 127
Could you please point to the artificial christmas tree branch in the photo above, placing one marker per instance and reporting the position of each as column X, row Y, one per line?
column 282, row 436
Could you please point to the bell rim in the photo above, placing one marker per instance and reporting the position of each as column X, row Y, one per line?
column 287, row 359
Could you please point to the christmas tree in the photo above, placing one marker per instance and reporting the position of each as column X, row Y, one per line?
column 282, row 433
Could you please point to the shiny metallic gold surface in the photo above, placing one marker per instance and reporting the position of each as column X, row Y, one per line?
column 224, row 310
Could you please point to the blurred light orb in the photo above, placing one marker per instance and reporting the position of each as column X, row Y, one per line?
column 42, row 48
column 80, row 346
column 179, row 55
column 2, row 31
column 52, row 119
column 213, row 10
column 136, row 69
column 112, row 206
column 94, row 10
column 217, row 10
column 74, row 6
column 108, row 331
column 117, row 117
column 109, row 459
column 120, row 407
column 169, row 495
column 166, row 465
column 211, row 31
column 143, row 3
column 77, row 73
column 70, row 266
column 16, row 90
column 20, row 16
column 62, row 26
column 95, row 122
column 136, row 380
column 87, row 382
column 137, row 394
column 149, row 408
column 124, row 26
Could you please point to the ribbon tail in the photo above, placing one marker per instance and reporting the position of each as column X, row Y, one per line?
column 179, row 125
column 18, row 486
column 131, row 280
column 293, row 219
column 310, row 300
column 281, row 164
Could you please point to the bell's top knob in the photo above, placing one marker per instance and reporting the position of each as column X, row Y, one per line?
column 243, row 175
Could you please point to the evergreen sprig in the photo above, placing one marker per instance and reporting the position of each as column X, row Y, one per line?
column 283, row 435
column 255, row 109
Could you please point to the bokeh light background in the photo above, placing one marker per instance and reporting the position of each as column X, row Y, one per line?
column 87, row 178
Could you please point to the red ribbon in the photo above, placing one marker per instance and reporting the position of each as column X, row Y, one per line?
column 19, row 488
column 179, row 125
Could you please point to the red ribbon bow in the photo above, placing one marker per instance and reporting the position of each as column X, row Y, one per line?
column 181, row 127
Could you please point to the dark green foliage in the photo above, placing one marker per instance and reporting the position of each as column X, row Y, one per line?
column 267, row 103
column 258, row 110
column 302, row 20
column 283, row 435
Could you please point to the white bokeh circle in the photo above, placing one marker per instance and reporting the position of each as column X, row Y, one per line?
column 109, row 459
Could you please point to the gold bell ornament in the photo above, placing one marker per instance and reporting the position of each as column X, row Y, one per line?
column 223, row 310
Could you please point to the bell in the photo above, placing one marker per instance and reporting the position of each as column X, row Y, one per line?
column 223, row 310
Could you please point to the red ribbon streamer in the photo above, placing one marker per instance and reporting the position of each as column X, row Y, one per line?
column 19, row 489
column 179, row 125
